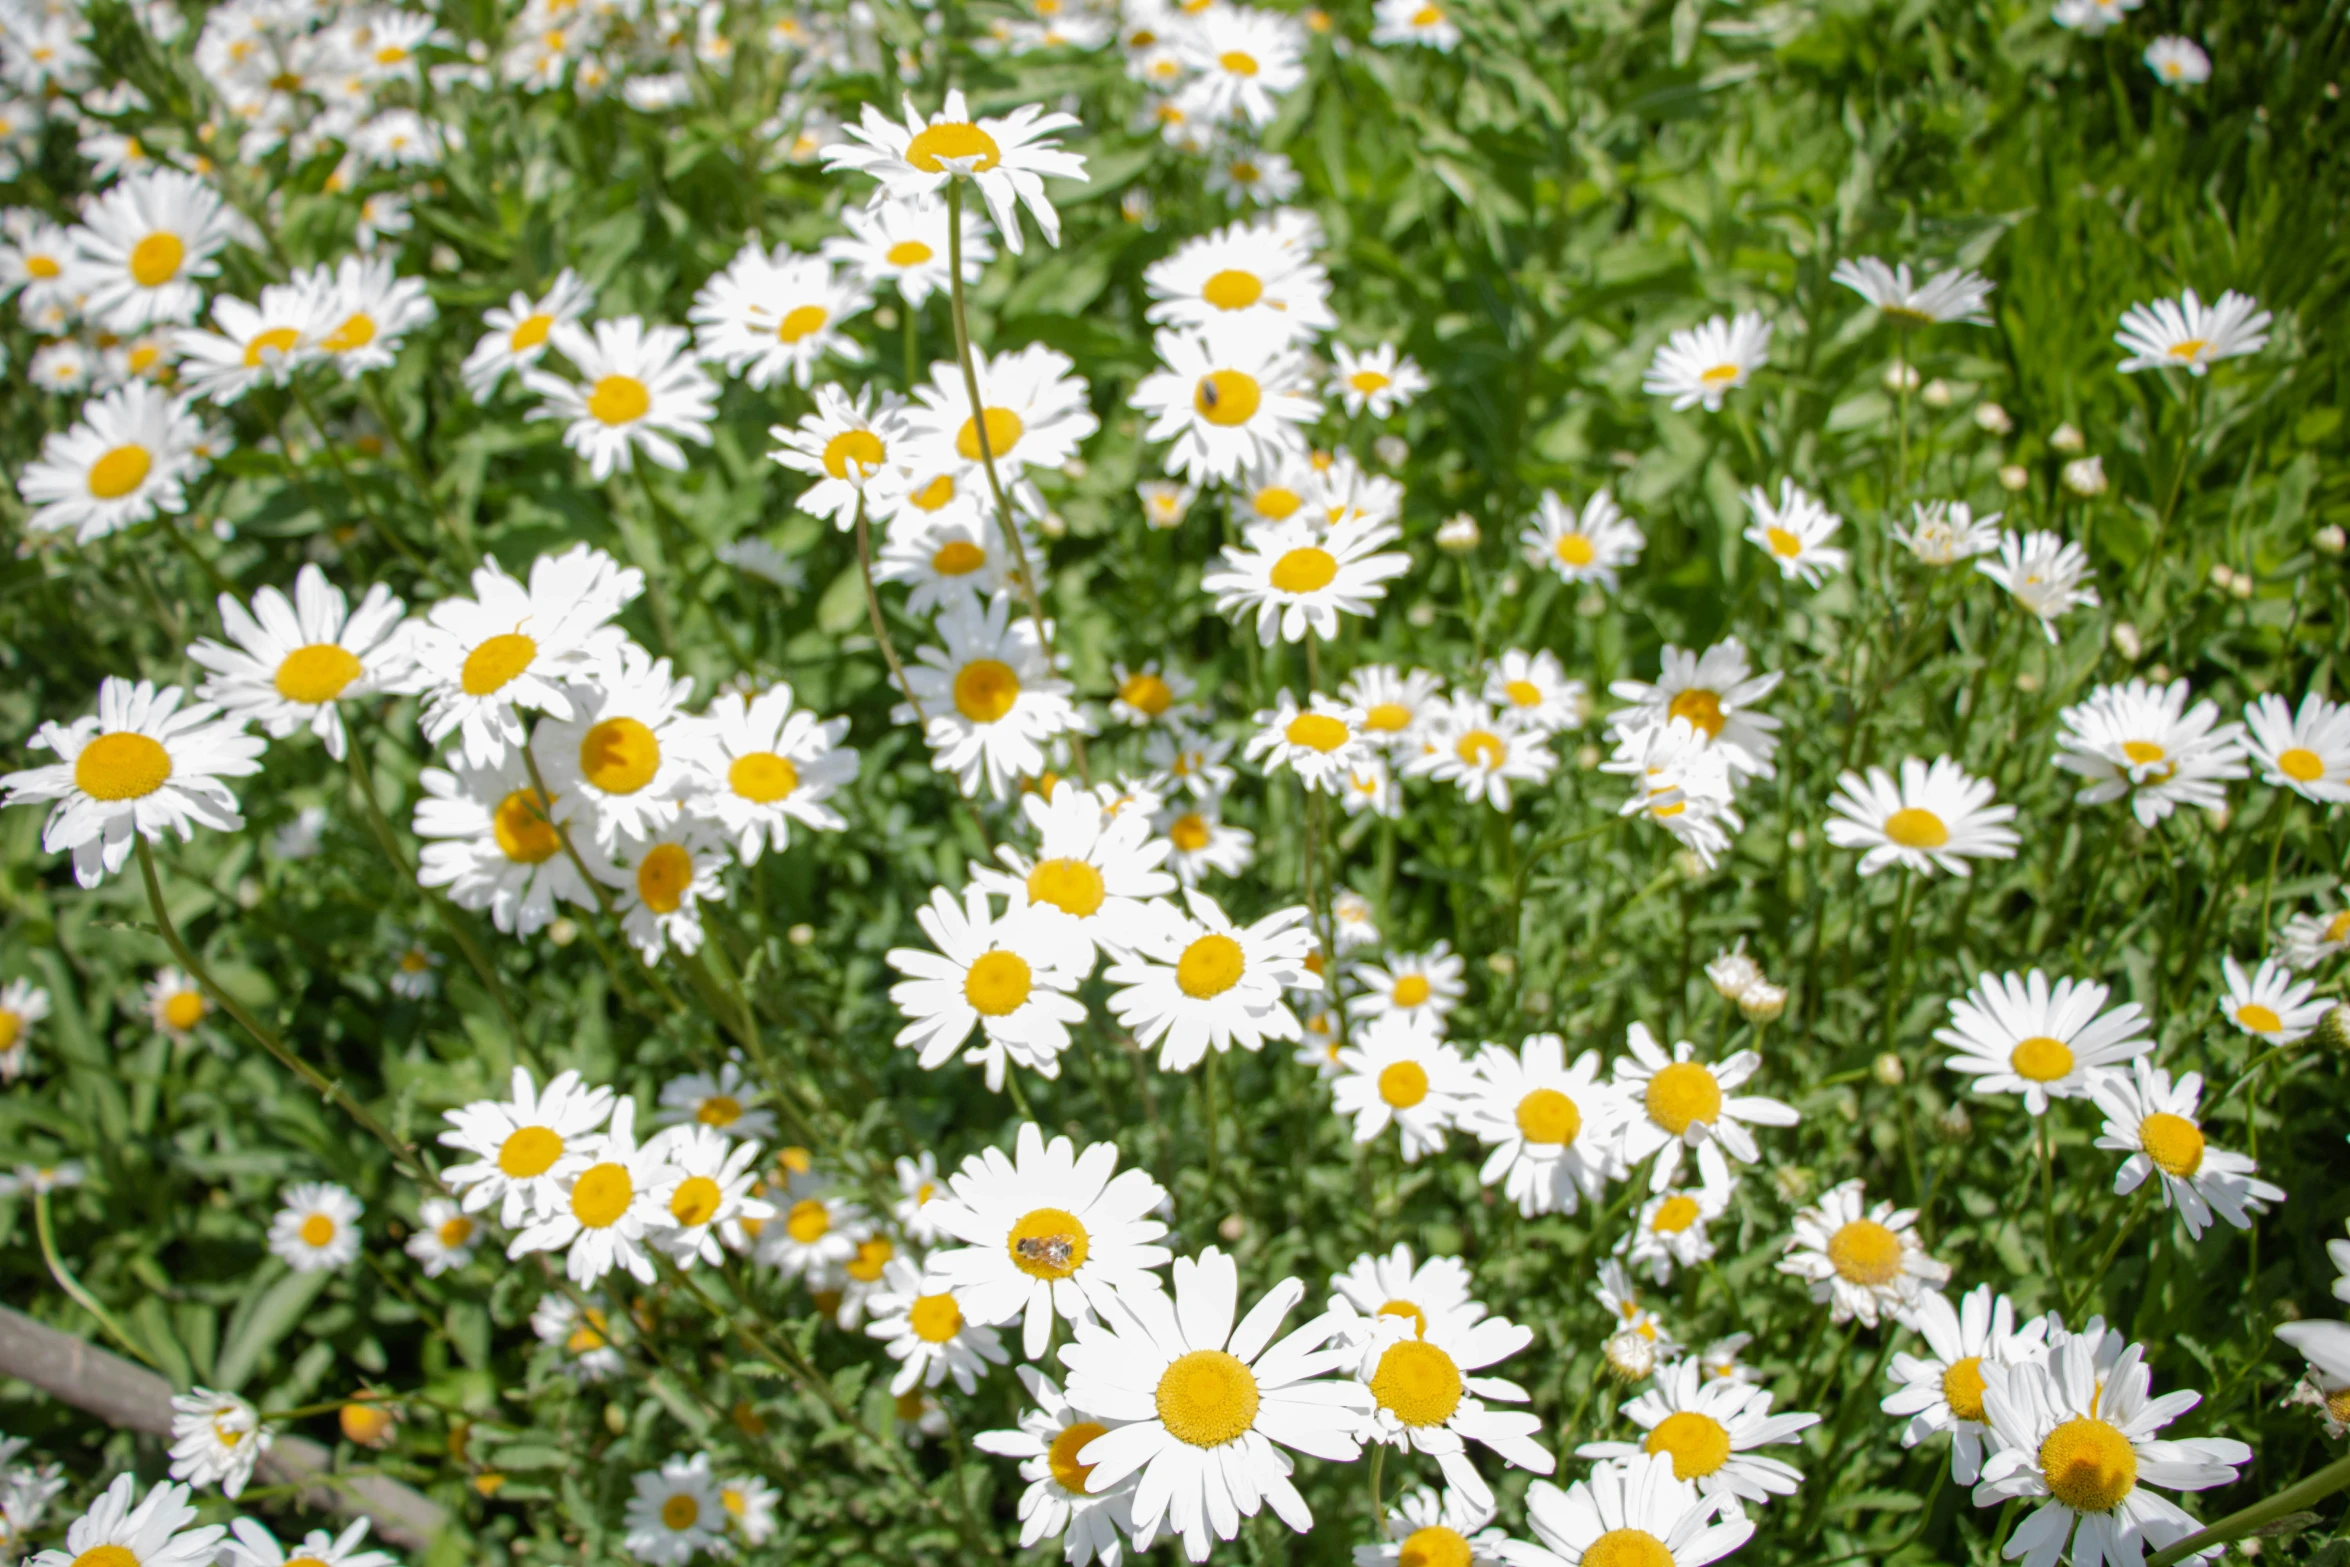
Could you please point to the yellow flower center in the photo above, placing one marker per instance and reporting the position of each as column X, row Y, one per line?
column 1702, row 709
column 1550, row 1118
column 455, row 1232
column 156, row 259
column 1427, row 16
column 1699, row 1444
column 1720, row 375
column 908, row 253
column 528, row 333
column 1072, row 886
column 696, row 1201
column 11, row 1029
column 957, row 558
column 1227, row 397
column 2338, row 928
column 1914, row 827
column 1277, row 502
column 985, row 690
column 495, row 662
column 681, row 1512
column 2173, row 1142
column 1417, row 1383
column 1388, row 718
column 1316, row 732
column 1783, row 543
column 317, row 673
column 1368, row 382
column 1304, row 570
column 529, row 1151
column 620, row 755
column 1523, row 693
column 873, row 1256
column 1682, row 1093
column 2301, row 765
column 357, row 331
column 1209, row 966
column 589, row 1335
column 936, row 493
column 663, row 876
column 601, row 1195
column 1434, row 1546
column 2259, row 1019
column 953, row 139
column 1481, row 748
column 619, row 399
column 935, row 1318
column 861, row 448
column 1403, row 1084
column 800, row 321
column 2089, row 1466
column 269, row 345
column 1061, row 1457
column 1207, row 1398
column 1411, row 990
column 523, row 832
column 2193, row 345
column 317, row 1231
column 997, row 983
column 808, row 1222
column 2041, row 1059
column 1865, row 1252
column 1238, row 62
column 120, row 471
column 1048, row 1243
column 1004, row 429
column 1627, row 1548
column 183, row 1010
column 43, row 267
column 121, row 766
column 1232, row 290
column 1146, row 693
column 106, row 1556
column 1675, row 1214
column 1575, row 550
column 762, row 777
column 1962, row 1388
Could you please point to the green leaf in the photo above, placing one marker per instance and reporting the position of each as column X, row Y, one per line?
column 270, row 1319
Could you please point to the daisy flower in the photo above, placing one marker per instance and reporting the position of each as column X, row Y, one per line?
column 2153, row 1121
column 22, row 1005
column 2080, row 1441
column 1685, row 1103
column 1061, row 1502
column 608, row 1205
column 618, row 751
column 1231, row 396
column 444, row 1237
column 769, row 315
column 906, row 245
column 2046, row 575
column 1712, row 692
column 1397, row 705
column 766, row 764
column 1202, row 982
column 583, row 1335
column 1710, row 1430
column 1010, row 978
column 141, row 764
column 1375, row 1287
column 1048, row 1233
column 515, row 646
column 2181, row 62
column 1321, row 743
column 1429, row 1400
column 525, row 1148
column 363, row 310
column 143, row 245
column 493, row 841
column 2305, row 750
column 153, row 1532
column 2142, row 742
column 1245, row 273
column 1639, row 1511
column 1200, row 841
column 750, row 1505
column 819, row 1237
column 956, row 555
column 1670, row 1231
column 1420, row 988
column 174, row 1005
column 722, row 1101
column 917, row 1318
column 1682, row 782
column 1551, row 1127
column 252, row 1545
column 2268, row 1004
column 1466, row 744
column 1396, row 1072
column 1936, row 818
column 2016, row 1034
column 1299, row 579
column 1944, row 533
column 126, row 458
column 1007, row 159
column 1795, row 533
column 294, row 661
column 517, row 332
column 256, row 344
column 1943, row 1390
column 1036, row 415
column 216, row 1439
column 2305, row 941
column 1194, row 762
column 1864, row 1261
column 989, row 698
column 35, row 255
column 664, row 872
column 919, row 1185
column 1152, row 694
column 1956, row 295
column 316, row 1227
column 850, row 446
column 1377, row 381
column 1251, row 176
column 1093, row 878
column 1196, row 1402
column 1353, row 917
column 675, row 1514
column 1703, row 364
column 1165, row 503
column 638, row 387
column 1421, row 1530
column 1243, row 61
column 1533, row 692
column 1369, row 786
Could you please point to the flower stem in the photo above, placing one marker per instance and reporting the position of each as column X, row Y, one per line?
column 2235, row 1526
column 74, row 1287
column 889, row 649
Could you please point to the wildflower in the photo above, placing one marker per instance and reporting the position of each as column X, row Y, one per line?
column 1203, row 982
column 143, row 245
column 2306, row 750
column 1862, row 1261
column 1466, row 744
column 907, row 245
column 525, row 1148
column 294, row 661
column 1685, row 1103
column 1320, row 743
column 1936, row 818
column 1710, row 1430
column 639, row 388
column 2185, row 333
column 1232, row 398
column 2305, row 941
column 1533, row 691
column 1955, row 295
column 2178, row 62
column 1061, row 1502
column 444, row 1237
column 675, row 1514
column 496, row 843
column 1420, row 1528
column 1713, row 693
column 1244, row 273
column 2153, row 1120
column 1395, row 1071
column 1397, row 705
column 1704, row 364
column 216, row 1439
column 1299, row 579
column 2268, row 1004
column 1094, row 880
column 582, row 1333
column 1551, row 1127
column 2016, row 1034
column 1008, row 977
column 316, row 1227
column 126, row 459
column 2047, row 576
column 1795, row 534
column 519, row 331
column 1379, row 381
column 1006, row 158
column 2141, row 741
column 2083, row 477
column 988, row 697
column 1943, row 1389
column 260, row 344
column 765, row 764
column 608, row 1205
column 1243, row 60
column 1429, row 1399
column 1944, row 533
column 363, row 312
column 22, row 1006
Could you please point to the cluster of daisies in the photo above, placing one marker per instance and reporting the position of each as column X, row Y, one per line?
column 2175, row 60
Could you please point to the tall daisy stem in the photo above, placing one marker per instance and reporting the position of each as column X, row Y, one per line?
column 881, row 636
column 402, row 1153
column 459, row 532
column 980, row 436
column 358, row 492
column 2235, row 1526
column 2048, row 1187
column 1378, row 1502
column 73, row 1287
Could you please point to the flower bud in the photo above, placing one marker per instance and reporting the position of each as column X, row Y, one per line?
column 1955, row 1124
column 800, row 935
column 2126, row 641
column 1458, row 535
column 2085, row 477
column 1763, row 1002
column 1733, row 973
column 1888, row 1070
column 2068, row 440
column 1231, row 1227
column 1422, row 615
column 1631, row 1355
column 2333, row 1030
column 2330, row 540
column 563, row 930
column 1900, row 377
column 2015, row 476
column 1936, row 393
column 1391, row 450
column 1992, row 419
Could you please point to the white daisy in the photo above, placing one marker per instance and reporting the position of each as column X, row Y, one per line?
column 1420, row 988
column 2268, row 1004
column 2305, row 941
column 638, row 387
column 1243, row 61
column 819, row 1237
column 1375, row 1287
column 1713, row 692
column 2141, row 742
column 618, row 751
column 1936, row 818
column 583, row 1335
column 989, row 698
column 1466, row 744
column 444, row 1237
column 1194, row 762
column 1196, row 1402
column 127, row 457
column 2046, row 575
column 527, row 1148
column 1943, row 1390
column 143, row 245
column 516, row 333
column 906, row 244
column 1944, row 533
column 1321, row 743
column 956, row 555
column 1795, row 533
column 1703, row 364
column 294, row 661
column 153, row 1532
column 1251, row 176
column 723, row 1101
column 1637, row 1511
column 1232, row 396
column 769, row 315
column 1552, row 1127
column 1864, row 1261
column 2016, row 1034
column 1008, row 977
column 141, row 764
column 1200, row 841
column 1958, row 294
column 1061, row 1502
column 1377, row 381
column 1710, row 1429
column 22, row 1005
column 1165, row 503
column 252, row 1545
column 257, row 344
column 675, row 1514
column 1243, row 272
column 1397, row 705
column 1670, row 1231
column 316, row 1227
column 216, row 1439
column 1396, row 1072
column 917, row 1318
column 765, row 764
column 1680, row 1102
column 664, row 872
column 1007, row 159
column 1036, row 415
column 492, row 840
column 1202, row 982
column 608, row 1205
column 2181, row 62
column 2306, row 750
column 1533, row 692
column 35, row 256
column 851, row 447
column 1093, row 876
column 363, row 312
column 750, row 1504
column 2153, row 1121
column 1152, row 693
column 174, row 1005
column 1682, row 782
column 1299, row 579
column 1420, row 1529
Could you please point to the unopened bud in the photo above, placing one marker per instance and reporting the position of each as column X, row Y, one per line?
column 1763, row 1002
column 1391, row 450
column 1232, row 1227
column 2330, row 539
column 1422, row 615
column 2333, row 1030
column 800, row 935
column 1992, row 419
column 1936, row 393
column 2221, row 577
column 1457, row 535
column 2014, row 477
column 1053, row 525
column 1887, row 1069
column 1900, row 377
column 2068, row 440
column 1631, row 1355
column 563, row 930
column 1733, row 974
column 2126, row 641
column 2243, row 585
column 2085, row 477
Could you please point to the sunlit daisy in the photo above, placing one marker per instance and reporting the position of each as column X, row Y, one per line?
column 2017, row 1034
column 1637, row 1511
column 143, row 245
column 1201, row 841
column 491, row 839
column 1243, row 60
column 1164, row 502
column 1935, row 818
column 216, row 1439
column 1532, row 691
column 122, row 1529
column 1704, row 364
column 516, row 334
column 1036, row 415
column 1945, row 533
column 663, row 872
column 525, row 1148
column 125, row 459
column 2269, row 1004
column 1007, row 159
column 35, row 256
column 1422, row 1377
column 256, row 344
column 1152, row 693
column 1007, row 977
column 1714, row 693
column 1203, row 981
column 769, row 315
column 1232, row 397
column 316, row 1227
column 1299, row 579
column 906, row 245
column 1251, row 176
column 1795, row 533
column 1320, row 743
column 1192, row 761
column 988, row 698
column 294, row 661
column 581, row 1334
column 620, row 751
column 675, row 1514
column 2304, row 941
column 2141, row 742
column 921, row 1325
column 1377, row 381
column 2153, row 1121
column 1680, row 1102
column 608, row 1207
column 956, row 555
column 818, row 1237
column 1551, row 1127
column 1246, row 273
column 2181, row 62
column 22, row 1006
column 1863, row 1261
column 174, row 1004
column 1420, row 988
column 1466, row 744
column 1395, row 1071
column 1943, row 1389
column 363, row 312
column 1396, row 705
column 1670, row 1231
column 444, row 1237
column 1711, row 1429
column 1956, row 295
column 638, row 388
column 2046, row 575
column 1681, row 782
column 2305, row 749
column 1092, row 877
column 1061, row 1502
column 851, row 447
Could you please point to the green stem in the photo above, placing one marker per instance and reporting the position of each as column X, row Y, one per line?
column 889, row 649
column 73, row 1286
column 2235, row 1526
column 460, row 534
